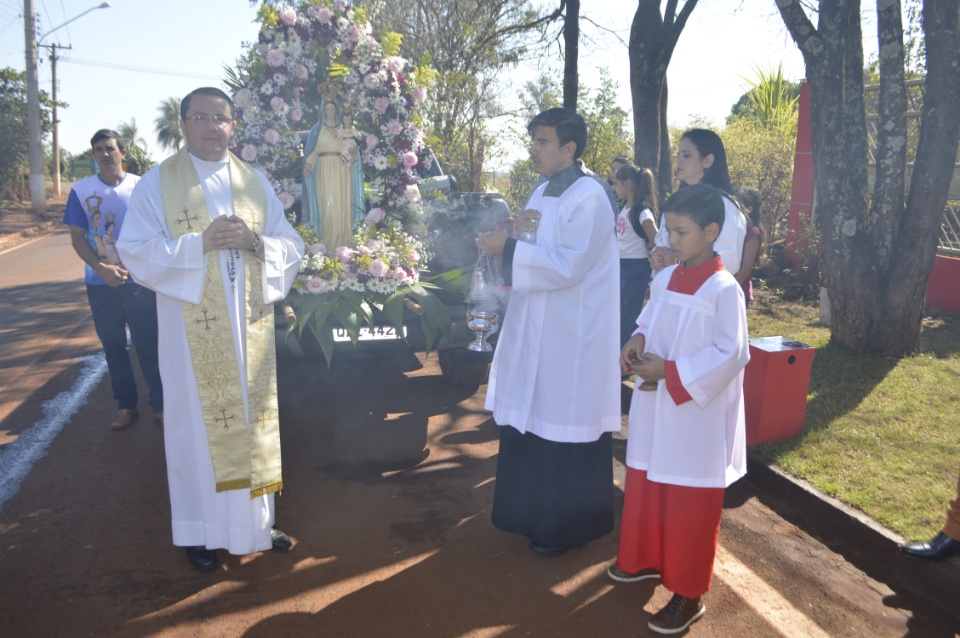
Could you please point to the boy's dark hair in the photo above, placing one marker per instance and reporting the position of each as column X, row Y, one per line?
column 203, row 90
column 570, row 127
column 620, row 159
column 700, row 202
column 108, row 134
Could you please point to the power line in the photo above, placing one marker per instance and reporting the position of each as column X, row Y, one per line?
column 138, row 69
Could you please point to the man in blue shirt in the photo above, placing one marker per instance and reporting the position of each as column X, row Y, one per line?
column 95, row 211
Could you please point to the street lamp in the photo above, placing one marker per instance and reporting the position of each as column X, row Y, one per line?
column 37, row 186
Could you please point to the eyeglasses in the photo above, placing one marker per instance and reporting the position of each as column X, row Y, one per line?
column 220, row 121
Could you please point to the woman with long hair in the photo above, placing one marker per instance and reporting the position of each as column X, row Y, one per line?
column 701, row 159
column 636, row 231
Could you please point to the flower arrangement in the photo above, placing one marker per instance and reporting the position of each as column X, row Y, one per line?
column 384, row 261
column 315, row 49
column 321, row 45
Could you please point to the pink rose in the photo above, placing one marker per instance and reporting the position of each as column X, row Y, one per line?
column 413, row 256
column 288, row 16
column 380, row 104
column 275, row 57
column 421, row 93
column 372, row 141
column 378, row 268
column 371, row 81
column 344, row 254
column 363, row 251
column 286, row 199
column 296, row 114
column 409, row 159
column 271, row 135
column 248, row 153
column 395, row 63
column 243, row 98
column 317, row 286
column 395, row 127
column 301, row 72
column 324, row 15
column 399, row 274
column 277, row 103
column 375, row 215
column 354, row 34
column 375, row 245
column 318, row 249
column 412, row 193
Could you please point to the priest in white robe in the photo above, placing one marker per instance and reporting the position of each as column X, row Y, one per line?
column 210, row 237
column 554, row 384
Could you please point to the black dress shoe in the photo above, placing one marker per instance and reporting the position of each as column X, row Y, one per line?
column 543, row 551
column 202, row 558
column 281, row 542
column 937, row 548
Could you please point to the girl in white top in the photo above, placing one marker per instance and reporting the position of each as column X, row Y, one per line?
column 636, row 230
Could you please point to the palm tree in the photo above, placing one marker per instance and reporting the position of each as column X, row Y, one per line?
column 167, row 126
column 130, row 134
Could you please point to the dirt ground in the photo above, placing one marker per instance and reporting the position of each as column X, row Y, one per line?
column 388, row 473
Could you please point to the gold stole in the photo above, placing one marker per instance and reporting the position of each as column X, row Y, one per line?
column 246, row 453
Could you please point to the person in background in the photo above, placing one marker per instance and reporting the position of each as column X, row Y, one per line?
column 687, row 438
column 615, row 165
column 702, row 159
column 947, row 541
column 95, row 212
column 636, row 230
column 749, row 198
column 554, row 385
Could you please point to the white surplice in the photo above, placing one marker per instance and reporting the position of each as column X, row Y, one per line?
column 701, row 442
column 176, row 270
column 556, row 369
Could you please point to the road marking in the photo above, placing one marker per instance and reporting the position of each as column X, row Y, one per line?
column 31, row 445
column 764, row 599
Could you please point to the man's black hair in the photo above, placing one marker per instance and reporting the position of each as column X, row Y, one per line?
column 570, row 126
column 700, row 202
column 108, row 134
column 203, row 90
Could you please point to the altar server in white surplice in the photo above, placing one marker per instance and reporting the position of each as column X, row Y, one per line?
column 554, row 386
column 687, row 436
column 209, row 235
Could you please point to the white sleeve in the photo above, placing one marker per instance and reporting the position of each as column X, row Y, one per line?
column 282, row 249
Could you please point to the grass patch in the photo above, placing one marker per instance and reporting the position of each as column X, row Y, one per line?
column 882, row 435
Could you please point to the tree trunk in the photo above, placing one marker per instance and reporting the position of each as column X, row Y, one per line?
column 876, row 265
column 571, row 53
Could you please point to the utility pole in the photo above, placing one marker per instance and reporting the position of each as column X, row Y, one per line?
column 38, row 194
column 56, row 122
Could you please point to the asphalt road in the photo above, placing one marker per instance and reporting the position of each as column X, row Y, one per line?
column 388, row 475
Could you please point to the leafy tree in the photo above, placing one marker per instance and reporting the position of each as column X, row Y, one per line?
column 167, row 125
column 14, row 151
column 771, row 101
column 878, row 252
column 607, row 126
column 138, row 158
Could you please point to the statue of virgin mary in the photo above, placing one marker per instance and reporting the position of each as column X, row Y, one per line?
column 333, row 195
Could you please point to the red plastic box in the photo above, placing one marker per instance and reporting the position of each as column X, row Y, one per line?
column 775, row 387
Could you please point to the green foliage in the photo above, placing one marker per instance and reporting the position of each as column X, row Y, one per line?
column 772, row 100
column 762, row 157
column 608, row 125
column 167, row 125
column 138, row 158
column 14, row 151
column 522, row 180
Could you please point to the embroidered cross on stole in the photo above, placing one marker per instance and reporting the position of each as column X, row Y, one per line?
column 244, row 444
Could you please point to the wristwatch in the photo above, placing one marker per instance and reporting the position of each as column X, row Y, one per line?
column 256, row 242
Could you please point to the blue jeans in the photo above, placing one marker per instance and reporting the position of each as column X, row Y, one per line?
column 634, row 280
column 113, row 309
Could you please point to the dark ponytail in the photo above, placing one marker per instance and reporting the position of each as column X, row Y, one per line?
column 644, row 186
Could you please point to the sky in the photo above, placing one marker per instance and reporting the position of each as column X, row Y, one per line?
column 128, row 58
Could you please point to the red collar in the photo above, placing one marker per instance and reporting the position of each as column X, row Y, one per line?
column 687, row 281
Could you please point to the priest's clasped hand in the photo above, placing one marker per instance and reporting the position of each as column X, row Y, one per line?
column 225, row 232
